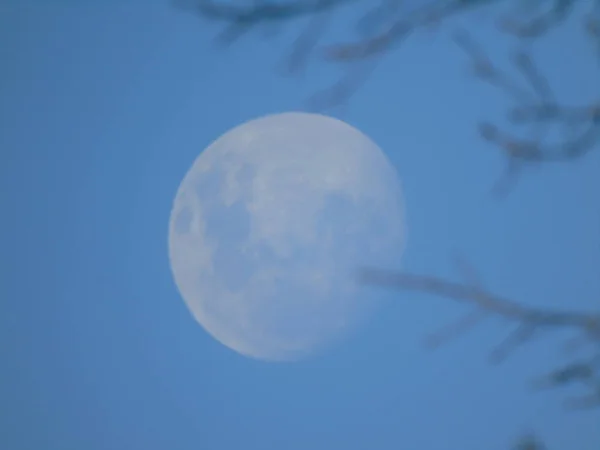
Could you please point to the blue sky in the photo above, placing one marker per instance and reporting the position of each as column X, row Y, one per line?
column 103, row 108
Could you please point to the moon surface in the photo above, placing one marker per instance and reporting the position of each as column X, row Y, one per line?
column 268, row 226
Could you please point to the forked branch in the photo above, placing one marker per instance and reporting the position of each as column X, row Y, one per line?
column 527, row 322
column 536, row 111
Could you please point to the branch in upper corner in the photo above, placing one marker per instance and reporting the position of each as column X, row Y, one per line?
column 367, row 48
column 306, row 42
column 395, row 28
column 381, row 26
column 592, row 28
column 239, row 19
column 541, row 21
column 537, row 110
column 260, row 11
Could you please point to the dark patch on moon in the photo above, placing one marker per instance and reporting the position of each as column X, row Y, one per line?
column 208, row 188
column 229, row 226
column 183, row 221
column 245, row 176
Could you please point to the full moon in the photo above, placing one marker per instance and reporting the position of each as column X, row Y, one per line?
column 269, row 225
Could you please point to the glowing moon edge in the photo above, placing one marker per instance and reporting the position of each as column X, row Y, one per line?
column 289, row 243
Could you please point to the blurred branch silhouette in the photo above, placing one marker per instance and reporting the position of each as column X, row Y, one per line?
column 527, row 323
column 528, row 442
column 383, row 24
column 535, row 108
column 536, row 113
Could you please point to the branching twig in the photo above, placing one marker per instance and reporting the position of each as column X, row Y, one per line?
column 543, row 21
column 535, row 106
column 586, row 322
column 529, row 442
column 535, row 109
column 528, row 321
column 381, row 27
column 240, row 19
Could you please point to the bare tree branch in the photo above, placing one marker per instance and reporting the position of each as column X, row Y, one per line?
column 528, row 321
column 587, row 322
column 557, row 13
column 535, row 111
column 305, row 44
column 529, row 442
column 536, row 108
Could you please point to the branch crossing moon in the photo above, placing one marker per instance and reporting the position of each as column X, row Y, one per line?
column 268, row 226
